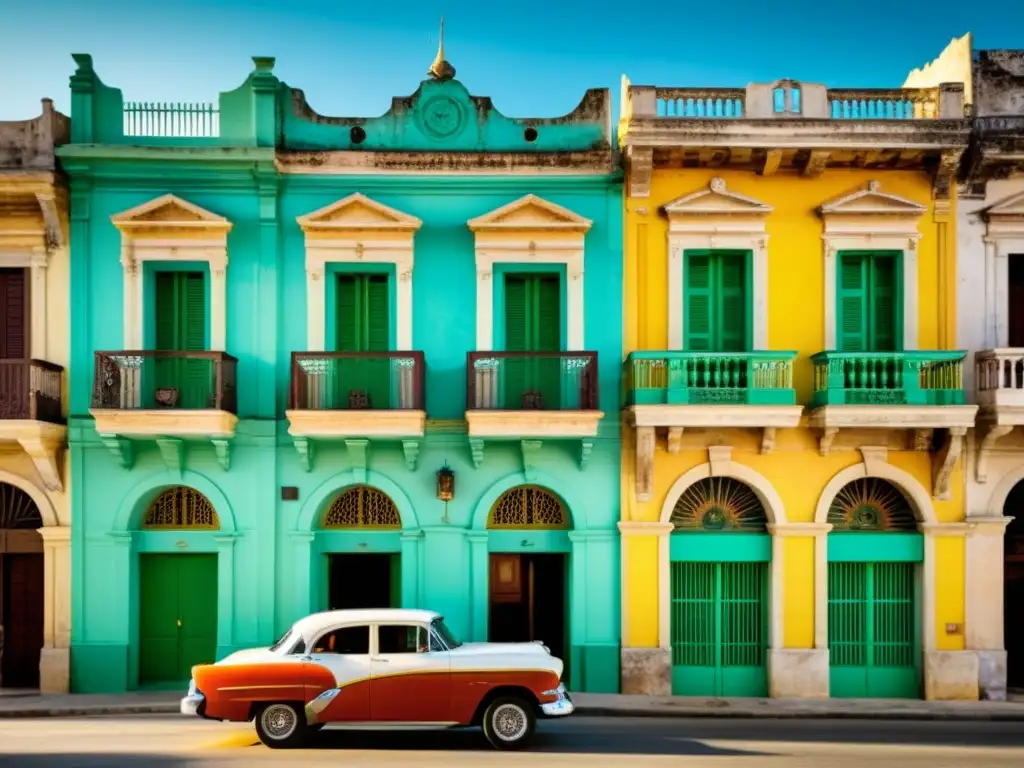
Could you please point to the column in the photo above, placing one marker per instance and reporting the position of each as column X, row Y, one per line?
column 950, row 673
column 55, row 657
column 984, row 598
column 226, row 594
column 411, row 595
column 302, row 574
column 479, row 569
column 646, row 656
column 1002, row 305
column 991, row 335
column 798, row 655
column 578, row 630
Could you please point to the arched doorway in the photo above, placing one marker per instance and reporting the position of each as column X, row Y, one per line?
column 720, row 554
column 21, row 589
column 360, row 536
column 177, row 590
column 529, row 578
column 874, row 612
column 1013, row 589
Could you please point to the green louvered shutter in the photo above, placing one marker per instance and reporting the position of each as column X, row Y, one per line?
column 883, row 303
column 363, row 325
column 348, row 331
column 377, row 313
column 181, row 326
column 547, row 313
column 532, row 324
column 516, row 324
column 731, row 304
column 698, row 303
column 853, row 315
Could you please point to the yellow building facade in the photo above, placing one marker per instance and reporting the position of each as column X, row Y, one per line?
column 792, row 489
column 35, row 567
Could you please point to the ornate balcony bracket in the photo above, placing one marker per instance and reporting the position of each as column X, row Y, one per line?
column 304, row 446
column 411, row 451
column 358, row 451
column 923, row 439
column 222, row 449
column 476, row 450
column 586, row 446
column 990, row 434
column 44, row 451
column 172, row 450
column 531, row 457
column 828, row 436
column 767, row 439
column 944, row 460
column 675, row 439
column 122, row 449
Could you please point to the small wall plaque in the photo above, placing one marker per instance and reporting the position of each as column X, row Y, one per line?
column 952, row 629
column 289, row 493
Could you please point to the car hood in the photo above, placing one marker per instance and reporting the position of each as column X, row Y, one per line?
column 250, row 656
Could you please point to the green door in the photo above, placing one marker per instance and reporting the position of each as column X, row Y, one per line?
column 363, row 317
column 870, row 302
column 177, row 616
column 181, row 326
column 719, row 628
column 533, row 323
column 873, row 630
column 715, row 299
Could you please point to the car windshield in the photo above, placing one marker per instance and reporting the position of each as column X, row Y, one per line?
column 444, row 633
column 282, row 641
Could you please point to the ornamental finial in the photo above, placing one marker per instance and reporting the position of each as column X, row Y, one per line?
column 441, row 69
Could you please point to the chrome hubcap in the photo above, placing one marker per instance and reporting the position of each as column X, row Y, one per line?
column 279, row 721
column 509, row 722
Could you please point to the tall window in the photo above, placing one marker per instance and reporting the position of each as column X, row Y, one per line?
column 533, row 318
column 870, row 304
column 715, row 301
column 13, row 336
column 363, row 313
column 181, row 327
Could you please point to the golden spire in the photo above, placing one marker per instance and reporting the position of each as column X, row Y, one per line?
column 441, row 69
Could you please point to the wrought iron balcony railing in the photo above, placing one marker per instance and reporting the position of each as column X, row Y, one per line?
column 888, row 378
column 710, row 378
column 341, row 381
column 531, row 381
column 30, row 389
column 165, row 379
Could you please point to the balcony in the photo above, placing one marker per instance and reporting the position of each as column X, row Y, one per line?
column 30, row 414
column 169, row 396
column 999, row 379
column 355, row 397
column 919, row 391
column 532, row 396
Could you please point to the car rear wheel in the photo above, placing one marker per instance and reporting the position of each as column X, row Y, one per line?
column 281, row 726
column 509, row 723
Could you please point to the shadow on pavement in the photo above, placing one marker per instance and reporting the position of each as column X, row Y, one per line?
column 95, row 760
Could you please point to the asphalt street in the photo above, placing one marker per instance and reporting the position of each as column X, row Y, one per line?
column 159, row 741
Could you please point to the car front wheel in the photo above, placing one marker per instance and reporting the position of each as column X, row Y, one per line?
column 509, row 723
column 281, row 726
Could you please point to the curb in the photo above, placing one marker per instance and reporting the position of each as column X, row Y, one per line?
column 91, row 711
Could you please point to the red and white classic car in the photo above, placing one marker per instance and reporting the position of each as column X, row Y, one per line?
column 381, row 669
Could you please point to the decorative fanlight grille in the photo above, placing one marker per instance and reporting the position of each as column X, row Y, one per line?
column 719, row 504
column 528, row 507
column 362, row 507
column 871, row 504
column 181, row 507
column 17, row 510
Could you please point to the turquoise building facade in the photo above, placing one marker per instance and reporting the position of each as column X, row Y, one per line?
column 340, row 362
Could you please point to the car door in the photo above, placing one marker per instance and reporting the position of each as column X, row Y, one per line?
column 410, row 676
column 345, row 651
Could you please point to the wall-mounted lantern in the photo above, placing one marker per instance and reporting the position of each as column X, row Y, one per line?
column 445, row 484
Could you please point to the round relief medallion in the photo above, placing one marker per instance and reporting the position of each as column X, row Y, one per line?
column 441, row 117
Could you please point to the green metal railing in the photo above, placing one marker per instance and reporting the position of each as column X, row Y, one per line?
column 710, row 378
column 888, row 378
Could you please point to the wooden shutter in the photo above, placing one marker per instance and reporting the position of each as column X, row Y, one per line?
column 853, row 304
column 166, row 310
column 547, row 314
column 181, row 311
column 349, row 330
column 516, row 323
column 884, row 303
column 193, row 294
column 731, row 303
column 698, row 303
column 376, row 313
column 363, row 313
column 13, row 341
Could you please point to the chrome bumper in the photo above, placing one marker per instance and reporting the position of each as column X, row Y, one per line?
column 561, row 706
column 191, row 703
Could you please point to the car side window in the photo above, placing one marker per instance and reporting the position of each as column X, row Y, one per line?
column 300, row 647
column 397, row 638
column 350, row 641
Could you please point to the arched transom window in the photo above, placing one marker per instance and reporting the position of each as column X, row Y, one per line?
column 719, row 504
column 871, row 504
column 362, row 507
column 528, row 507
column 181, row 507
column 17, row 510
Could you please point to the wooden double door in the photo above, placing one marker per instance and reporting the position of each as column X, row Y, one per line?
column 529, row 600
column 21, row 608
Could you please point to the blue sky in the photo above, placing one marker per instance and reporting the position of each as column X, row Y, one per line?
column 533, row 59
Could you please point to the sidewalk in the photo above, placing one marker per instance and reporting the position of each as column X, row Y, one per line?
column 593, row 704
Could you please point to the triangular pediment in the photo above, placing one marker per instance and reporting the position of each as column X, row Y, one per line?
column 1008, row 206
column 715, row 199
column 169, row 211
column 872, row 201
column 357, row 211
column 531, row 212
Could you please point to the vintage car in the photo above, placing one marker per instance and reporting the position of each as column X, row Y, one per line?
column 378, row 669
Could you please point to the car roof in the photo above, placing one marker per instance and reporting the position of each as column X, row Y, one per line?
column 324, row 619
